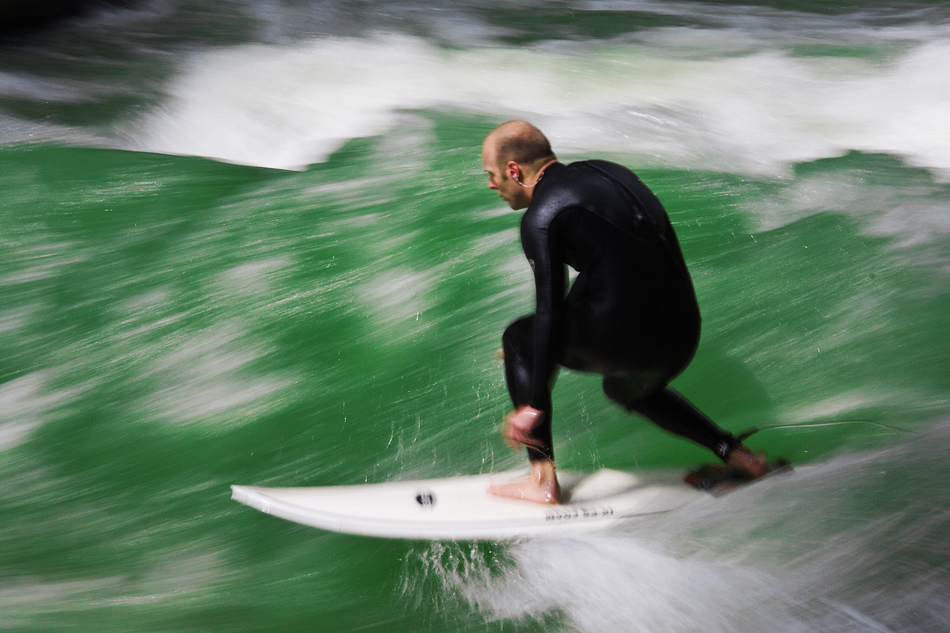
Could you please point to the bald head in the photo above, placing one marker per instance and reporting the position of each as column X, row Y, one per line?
column 515, row 155
column 521, row 142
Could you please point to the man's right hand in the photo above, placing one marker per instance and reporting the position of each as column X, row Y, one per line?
column 518, row 427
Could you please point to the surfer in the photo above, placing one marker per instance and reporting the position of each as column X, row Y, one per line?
column 631, row 314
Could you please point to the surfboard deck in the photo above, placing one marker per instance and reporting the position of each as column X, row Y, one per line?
column 460, row 508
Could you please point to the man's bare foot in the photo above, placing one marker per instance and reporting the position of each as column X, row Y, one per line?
column 745, row 461
column 541, row 486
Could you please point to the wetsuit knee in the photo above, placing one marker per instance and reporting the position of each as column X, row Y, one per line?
column 628, row 390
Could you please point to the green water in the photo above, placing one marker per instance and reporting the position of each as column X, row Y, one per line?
column 174, row 325
column 171, row 325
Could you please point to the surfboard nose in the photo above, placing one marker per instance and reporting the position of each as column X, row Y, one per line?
column 249, row 496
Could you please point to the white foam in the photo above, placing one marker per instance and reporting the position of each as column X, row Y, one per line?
column 399, row 294
column 609, row 583
column 191, row 570
column 912, row 213
column 205, row 377
column 836, row 405
column 25, row 403
column 22, row 86
column 689, row 98
column 837, row 546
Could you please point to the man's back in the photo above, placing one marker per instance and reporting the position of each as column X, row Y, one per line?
column 601, row 220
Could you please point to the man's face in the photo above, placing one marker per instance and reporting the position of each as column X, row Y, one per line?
column 500, row 181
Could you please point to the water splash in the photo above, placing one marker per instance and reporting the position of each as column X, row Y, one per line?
column 858, row 543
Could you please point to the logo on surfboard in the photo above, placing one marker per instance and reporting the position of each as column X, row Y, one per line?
column 564, row 513
column 426, row 499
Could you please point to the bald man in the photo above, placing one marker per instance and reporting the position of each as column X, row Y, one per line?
column 630, row 315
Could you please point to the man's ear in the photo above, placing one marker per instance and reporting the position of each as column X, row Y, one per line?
column 514, row 170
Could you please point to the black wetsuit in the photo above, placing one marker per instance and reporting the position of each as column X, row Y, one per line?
column 631, row 313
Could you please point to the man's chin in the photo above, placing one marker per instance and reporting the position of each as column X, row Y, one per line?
column 514, row 204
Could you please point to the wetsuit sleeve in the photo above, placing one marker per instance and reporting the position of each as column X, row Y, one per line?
column 547, row 261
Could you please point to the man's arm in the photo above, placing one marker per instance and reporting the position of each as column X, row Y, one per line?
column 547, row 261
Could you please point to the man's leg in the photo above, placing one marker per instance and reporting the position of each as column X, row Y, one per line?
column 671, row 411
column 518, row 344
column 541, row 485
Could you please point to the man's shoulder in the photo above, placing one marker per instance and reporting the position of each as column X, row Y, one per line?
column 569, row 183
column 557, row 189
column 594, row 162
column 575, row 184
column 602, row 166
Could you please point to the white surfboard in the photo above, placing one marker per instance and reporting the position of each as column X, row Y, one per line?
column 459, row 508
